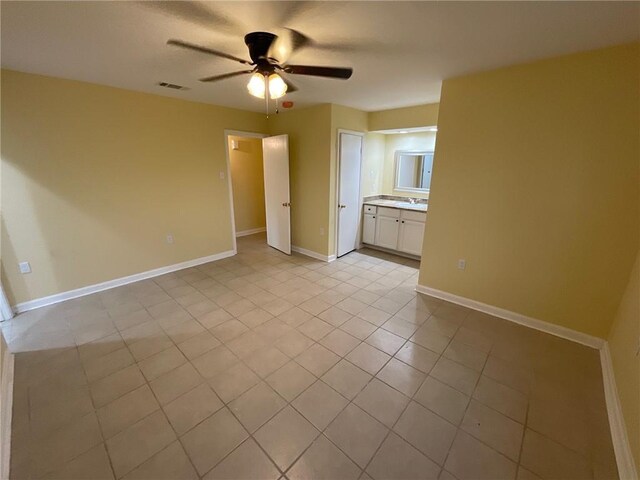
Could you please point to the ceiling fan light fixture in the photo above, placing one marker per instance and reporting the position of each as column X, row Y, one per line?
column 277, row 87
column 256, row 85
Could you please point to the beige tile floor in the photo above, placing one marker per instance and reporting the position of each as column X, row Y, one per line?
column 264, row 366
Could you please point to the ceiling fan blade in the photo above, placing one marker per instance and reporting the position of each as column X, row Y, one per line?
column 330, row 72
column 215, row 78
column 198, row 48
column 286, row 43
column 290, row 86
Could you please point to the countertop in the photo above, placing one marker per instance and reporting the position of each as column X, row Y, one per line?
column 420, row 207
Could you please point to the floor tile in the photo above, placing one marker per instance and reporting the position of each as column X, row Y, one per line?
column 315, row 329
column 213, row 439
column 442, row 399
column 257, row 405
column 505, row 400
column 434, row 341
column 266, row 361
column 229, row 330
column 198, row 344
column 139, row 442
column 549, row 459
column 93, row 464
column 368, row 358
column 246, row 344
column 189, row 409
column 382, row 402
column 426, row 431
column 335, row 316
column 290, row 380
column 247, row 461
column 126, row 410
column 215, row 361
column 508, row 374
column 401, row 376
column 99, row 367
column 385, row 341
column 317, row 359
column 51, row 453
column 397, row 459
column 115, row 385
column 455, row 375
column 346, row 378
column 340, row 342
column 494, row 429
column 358, row 328
column 314, row 306
column 323, row 460
column 400, row 327
column 471, row 459
column 173, row 384
column 168, row 464
column 295, row 316
column 466, row 355
column 418, row 357
column 351, row 305
column 232, row 383
column 286, row 436
column 293, row 343
column 320, row 404
column 357, row 434
column 374, row 315
column 162, row 363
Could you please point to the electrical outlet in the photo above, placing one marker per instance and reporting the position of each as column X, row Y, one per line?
column 462, row 263
column 25, row 267
column 321, row 231
column 169, row 238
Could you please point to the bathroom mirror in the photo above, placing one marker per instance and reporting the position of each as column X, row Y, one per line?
column 413, row 171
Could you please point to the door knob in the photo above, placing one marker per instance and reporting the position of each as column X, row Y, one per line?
column 286, row 204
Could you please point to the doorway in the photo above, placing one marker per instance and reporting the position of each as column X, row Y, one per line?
column 258, row 181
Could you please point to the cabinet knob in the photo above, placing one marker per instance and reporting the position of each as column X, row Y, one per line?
column 402, row 221
column 374, row 216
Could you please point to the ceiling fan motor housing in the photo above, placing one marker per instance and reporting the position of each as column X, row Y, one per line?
column 259, row 44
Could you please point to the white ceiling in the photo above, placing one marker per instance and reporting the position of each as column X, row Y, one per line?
column 400, row 51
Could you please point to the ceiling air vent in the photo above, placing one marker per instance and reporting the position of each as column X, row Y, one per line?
column 172, row 86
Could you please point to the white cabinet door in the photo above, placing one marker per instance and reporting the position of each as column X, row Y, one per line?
column 369, row 229
column 410, row 238
column 387, row 232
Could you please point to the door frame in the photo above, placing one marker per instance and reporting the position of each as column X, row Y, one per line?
column 235, row 133
column 337, row 179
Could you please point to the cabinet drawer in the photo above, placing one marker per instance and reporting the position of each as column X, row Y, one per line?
column 388, row 212
column 370, row 209
column 415, row 216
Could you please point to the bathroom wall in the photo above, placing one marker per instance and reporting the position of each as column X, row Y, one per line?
column 378, row 170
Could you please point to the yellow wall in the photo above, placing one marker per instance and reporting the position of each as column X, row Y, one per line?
column 373, row 164
column 247, row 176
column 623, row 343
column 95, row 177
column 536, row 186
column 408, row 117
column 310, row 143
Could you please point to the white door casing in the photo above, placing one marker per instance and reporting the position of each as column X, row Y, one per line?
column 349, row 165
column 275, row 152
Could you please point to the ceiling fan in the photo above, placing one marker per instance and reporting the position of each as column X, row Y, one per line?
column 268, row 52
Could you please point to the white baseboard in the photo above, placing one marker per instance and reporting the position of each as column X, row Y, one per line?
column 99, row 287
column 312, row 254
column 6, row 401
column 251, row 231
column 621, row 447
column 551, row 328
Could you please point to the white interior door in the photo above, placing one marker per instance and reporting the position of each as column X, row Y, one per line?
column 349, row 192
column 275, row 156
